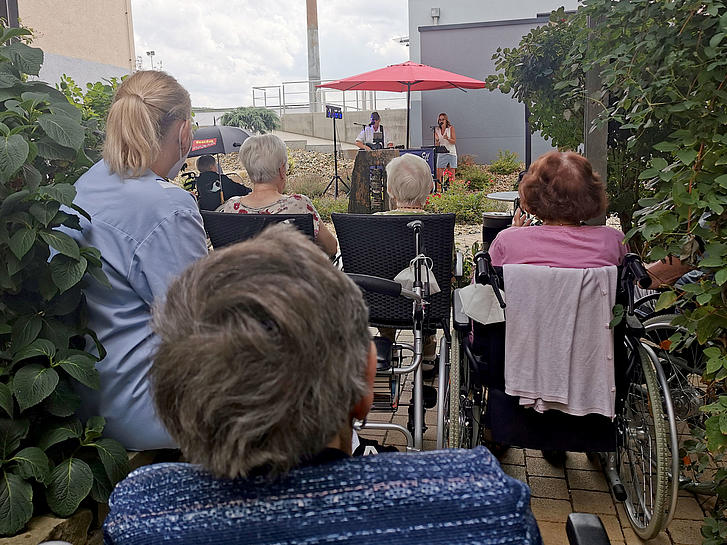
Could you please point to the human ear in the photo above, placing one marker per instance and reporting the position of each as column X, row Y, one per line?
column 362, row 408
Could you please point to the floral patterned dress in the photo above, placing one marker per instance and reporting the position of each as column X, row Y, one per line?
column 287, row 204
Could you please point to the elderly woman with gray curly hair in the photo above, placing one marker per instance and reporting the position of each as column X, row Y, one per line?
column 264, row 363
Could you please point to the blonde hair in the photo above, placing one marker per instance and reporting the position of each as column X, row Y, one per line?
column 145, row 106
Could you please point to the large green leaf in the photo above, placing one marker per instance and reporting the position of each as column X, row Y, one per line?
column 22, row 241
column 27, row 59
column 102, row 487
column 63, row 193
column 11, row 433
column 67, row 272
column 44, row 212
column 70, row 428
column 8, row 80
column 82, row 368
column 25, row 331
column 32, row 175
column 63, row 402
column 114, row 458
column 32, row 463
column 6, row 399
column 39, row 347
column 33, row 383
column 62, row 129
column 61, row 242
column 69, row 483
column 13, row 153
column 51, row 150
column 13, row 202
column 16, row 503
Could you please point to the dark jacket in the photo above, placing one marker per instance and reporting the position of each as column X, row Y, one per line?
column 210, row 198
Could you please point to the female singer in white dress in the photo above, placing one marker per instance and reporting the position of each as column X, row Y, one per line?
column 444, row 135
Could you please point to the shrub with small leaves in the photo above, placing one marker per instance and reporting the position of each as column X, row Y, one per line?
column 478, row 177
column 47, row 455
column 468, row 206
column 507, row 162
column 327, row 205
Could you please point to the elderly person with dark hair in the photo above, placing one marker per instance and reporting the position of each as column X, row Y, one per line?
column 265, row 158
column 265, row 361
column 562, row 190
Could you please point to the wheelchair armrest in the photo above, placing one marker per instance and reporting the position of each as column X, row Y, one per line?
column 586, row 529
column 460, row 321
column 458, row 264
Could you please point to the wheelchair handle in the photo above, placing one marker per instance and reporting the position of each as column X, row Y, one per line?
column 382, row 286
column 485, row 274
column 632, row 262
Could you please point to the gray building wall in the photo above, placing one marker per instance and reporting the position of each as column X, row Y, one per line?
column 485, row 121
column 458, row 12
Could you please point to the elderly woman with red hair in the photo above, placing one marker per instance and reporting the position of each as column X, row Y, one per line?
column 563, row 191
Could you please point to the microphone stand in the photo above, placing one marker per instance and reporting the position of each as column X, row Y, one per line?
column 335, row 178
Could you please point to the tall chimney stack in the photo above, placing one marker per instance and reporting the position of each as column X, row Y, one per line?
column 314, row 57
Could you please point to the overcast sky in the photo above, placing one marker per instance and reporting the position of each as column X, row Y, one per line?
column 220, row 49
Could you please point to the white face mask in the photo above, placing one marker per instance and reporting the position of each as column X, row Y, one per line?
column 176, row 167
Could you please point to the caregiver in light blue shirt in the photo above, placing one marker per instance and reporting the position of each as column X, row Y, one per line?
column 148, row 231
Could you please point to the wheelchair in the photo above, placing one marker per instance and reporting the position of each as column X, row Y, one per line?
column 373, row 250
column 638, row 449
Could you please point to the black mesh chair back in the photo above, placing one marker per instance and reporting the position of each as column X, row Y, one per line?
column 382, row 245
column 226, row 228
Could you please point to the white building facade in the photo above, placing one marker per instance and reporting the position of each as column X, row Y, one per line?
column 461, row 36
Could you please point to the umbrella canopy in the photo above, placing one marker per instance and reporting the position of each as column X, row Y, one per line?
column 217, row 139
column 408, row 76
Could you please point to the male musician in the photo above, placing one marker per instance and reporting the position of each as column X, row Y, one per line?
column 372, row 136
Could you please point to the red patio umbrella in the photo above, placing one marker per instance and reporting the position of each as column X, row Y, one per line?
column 408, row 76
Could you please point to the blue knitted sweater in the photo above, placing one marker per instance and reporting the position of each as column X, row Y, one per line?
column 440, row 497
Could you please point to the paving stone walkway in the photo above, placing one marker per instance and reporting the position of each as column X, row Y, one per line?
column 557, row 491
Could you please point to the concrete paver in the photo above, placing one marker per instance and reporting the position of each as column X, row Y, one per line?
column 540, row 467
column 550, row 510
column 685, row 532
column 513, row 456
column 553, row 533
column 581, row 479
column 587, row 501
column 548, row 487
column 517, row 472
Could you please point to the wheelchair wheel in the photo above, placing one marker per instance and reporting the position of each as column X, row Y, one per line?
column 644, row 447
column 683, row 364
column 452, row 399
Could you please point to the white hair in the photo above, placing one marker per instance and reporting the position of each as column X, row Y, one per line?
column 409, row 180
column 262, row 156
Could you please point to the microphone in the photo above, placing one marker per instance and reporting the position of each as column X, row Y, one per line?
column 433, row 127
column 361, row 124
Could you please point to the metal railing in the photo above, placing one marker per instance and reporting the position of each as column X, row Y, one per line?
column 293, row 96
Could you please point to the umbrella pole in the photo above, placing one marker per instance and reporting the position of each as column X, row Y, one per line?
column 408, row 107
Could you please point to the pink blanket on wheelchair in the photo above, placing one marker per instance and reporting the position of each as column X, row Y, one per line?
column 558, row 344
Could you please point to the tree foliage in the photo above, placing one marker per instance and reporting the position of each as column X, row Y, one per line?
column 252, row 119
column 546, row 73
column 533, row 73
column 664, row 68
column 47, row 455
